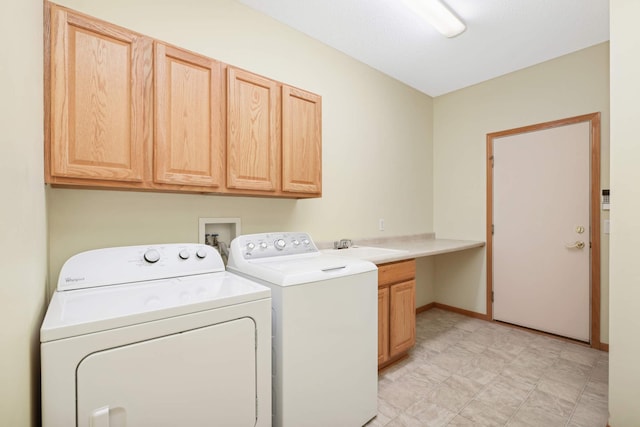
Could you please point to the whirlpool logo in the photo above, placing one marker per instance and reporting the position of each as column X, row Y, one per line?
column 73, row 279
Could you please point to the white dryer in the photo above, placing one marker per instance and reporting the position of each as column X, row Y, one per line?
column 155, row 336
column 325, row 329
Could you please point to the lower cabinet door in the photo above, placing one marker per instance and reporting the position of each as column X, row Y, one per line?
column 383, row 325
column 402, row 319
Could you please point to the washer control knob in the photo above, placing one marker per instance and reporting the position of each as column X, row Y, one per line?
column 280, row 244
column 306, row 242
column 201, row 253
column 251, row 246
column 295, row 242
column 152, row 256
column 184, row 254
column 263, row 245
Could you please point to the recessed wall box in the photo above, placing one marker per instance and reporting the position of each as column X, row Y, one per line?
column 227, row 229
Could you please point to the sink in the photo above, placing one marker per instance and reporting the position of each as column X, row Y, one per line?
column 365, row 252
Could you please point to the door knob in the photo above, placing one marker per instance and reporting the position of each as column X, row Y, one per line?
column 577, row 244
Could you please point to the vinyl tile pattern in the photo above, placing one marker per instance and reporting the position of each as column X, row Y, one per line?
column 469, row 372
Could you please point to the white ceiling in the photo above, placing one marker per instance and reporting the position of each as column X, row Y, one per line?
column 502, row 35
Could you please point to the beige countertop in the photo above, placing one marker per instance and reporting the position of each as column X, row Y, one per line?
column 391, row 249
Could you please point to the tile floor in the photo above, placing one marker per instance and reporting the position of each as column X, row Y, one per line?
column 469, row 372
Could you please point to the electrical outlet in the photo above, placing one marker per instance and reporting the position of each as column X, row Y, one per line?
column 381, row 224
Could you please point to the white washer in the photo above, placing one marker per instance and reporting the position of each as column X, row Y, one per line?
column 154, row 336
column 325, row 325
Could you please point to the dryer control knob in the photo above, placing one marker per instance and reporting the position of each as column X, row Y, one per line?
column 251, row 246
column 263, row 245
column 201, row 253
column 184, row 254
column 280, row 244
column 306, row 242
column 295, row 242
column 152, row 256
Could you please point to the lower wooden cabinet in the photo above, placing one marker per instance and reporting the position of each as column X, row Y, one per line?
column 383, row 325
column 396, row 310
column 402, row 317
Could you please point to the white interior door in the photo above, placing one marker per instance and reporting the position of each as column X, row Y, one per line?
column 203, row 377
column 541, row 240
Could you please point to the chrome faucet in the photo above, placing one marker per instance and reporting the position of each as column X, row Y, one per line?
column 342, row 244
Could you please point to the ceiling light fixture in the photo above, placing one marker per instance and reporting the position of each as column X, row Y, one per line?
column 438, row 15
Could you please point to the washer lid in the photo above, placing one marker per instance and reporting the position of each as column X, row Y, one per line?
column 299, row 269
column 83, row 311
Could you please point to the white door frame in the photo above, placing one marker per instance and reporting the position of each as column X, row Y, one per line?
column 594, row 124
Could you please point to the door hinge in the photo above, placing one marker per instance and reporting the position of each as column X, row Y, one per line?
column 491, row 158
column 491, row 296
column 493, row 229
column 257, row 408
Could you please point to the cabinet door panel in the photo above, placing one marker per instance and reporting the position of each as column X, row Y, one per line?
column 252, row 132
column 188, row 124
column 301, row 141
column 383, row 325
column 402, row 323
column 97, row 85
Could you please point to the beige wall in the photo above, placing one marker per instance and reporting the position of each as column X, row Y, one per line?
column 22, row 215
column 377, row 140
column 567, row 86
column 624, row 369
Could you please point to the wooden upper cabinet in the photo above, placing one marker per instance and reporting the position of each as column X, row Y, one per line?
column 96, row 89
column 189, row 138
column 253, row 134
column 301, row 141
column 123, row 110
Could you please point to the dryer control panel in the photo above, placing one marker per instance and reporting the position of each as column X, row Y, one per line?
column 268, row 245
column 129, row 264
